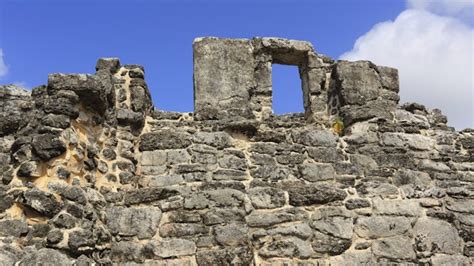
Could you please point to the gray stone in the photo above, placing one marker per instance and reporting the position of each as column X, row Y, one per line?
column 340, row 227
column 228, row 256
column 14, row 228
column 381, row 226
column 316, row 172
column 75, row 194
column 324, row 138
column 184, row 217
column 129, row 117
column 83, row 260
column 325, row 155
column 164, row 181
column 174, row 247
column 406, row 176
column 134, row 221
column 64, row 220
column 30, row 169
column 43, row 202
column 46, row 256
column 231, row 234
column 397, row 207
column 395, row 248
column 48, row 146
column 352, row 204
column 265, row 218
column 327, row 244
column 54, row 236
column 223, row 216
column 93, row 90
column 219, row 140
column 443, row 259
column 233, row 162
column 127, row 251
column 57, row 121
column 109, row 64
column 289, row 247
column 145, row 195
column 267, row 197
column 270, row 172
column 8, row 257
column 182, row 229
column 223, row 77
column 377, row 189
column 140, row 98
column 81, row 241
column 464, row 206
column 164, row 139
column 437, row 236
column 303, row 195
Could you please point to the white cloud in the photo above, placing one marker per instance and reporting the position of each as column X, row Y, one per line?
column 434, row 55
column 460, row 8
column 3, row 67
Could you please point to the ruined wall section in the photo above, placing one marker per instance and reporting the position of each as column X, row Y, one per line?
column 92, row 174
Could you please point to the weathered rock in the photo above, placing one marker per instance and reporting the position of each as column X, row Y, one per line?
column 443, row 259
column 164, row 139
column 43, row 202
column 127, row 251
column 148, row 195
column 231, row 234
column 229, row 256
column 267, row 197
column 381, row 226
column 264, row 219
column 30, row 169
column 437, row 236
column 134, row 221
column 327, row 244
column 46, row 256
column 352, row 204
column 174, row 247
column 14, row 228
column 48, row 146
column 182, row 229
column 396, row 207
column 81, row 241
column 316, row 172
column 110, row 64
column 303, row 195
column 395, row 248
column 324, row 138
column 290, row 248
column 93, row 90
column 219, row 140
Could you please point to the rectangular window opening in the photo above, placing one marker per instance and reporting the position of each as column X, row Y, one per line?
column 287, row 92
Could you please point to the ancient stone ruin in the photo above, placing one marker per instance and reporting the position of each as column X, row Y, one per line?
column 92, row 173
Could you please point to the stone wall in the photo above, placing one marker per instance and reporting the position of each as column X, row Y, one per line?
column 92, row 173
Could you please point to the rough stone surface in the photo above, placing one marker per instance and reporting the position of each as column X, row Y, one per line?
column 91, row 173
column 140, row 222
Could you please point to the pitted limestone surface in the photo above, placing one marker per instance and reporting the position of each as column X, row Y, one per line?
column 92, row 173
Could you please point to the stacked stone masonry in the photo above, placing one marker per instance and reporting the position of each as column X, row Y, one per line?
column 91, row 173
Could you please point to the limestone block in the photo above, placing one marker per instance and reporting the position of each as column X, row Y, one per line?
column 223, row 78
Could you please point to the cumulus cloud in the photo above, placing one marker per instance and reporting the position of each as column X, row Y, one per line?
column 3, row 67
column 434, row 55
column 460, row 8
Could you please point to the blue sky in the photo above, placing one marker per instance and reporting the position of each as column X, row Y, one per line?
column 41, row 37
